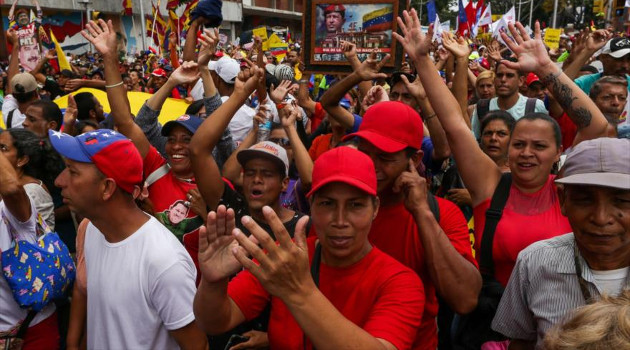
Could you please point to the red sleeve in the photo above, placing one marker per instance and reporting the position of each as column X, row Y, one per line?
column 318, row 116
column 314, row 148
column 175, row 93
column 152, row 161
column 248, row 294
column 397, row 314
column 454, row 224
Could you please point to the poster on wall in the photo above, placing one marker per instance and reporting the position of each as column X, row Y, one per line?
column 368, row 24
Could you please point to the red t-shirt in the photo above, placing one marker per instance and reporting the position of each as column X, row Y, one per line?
column 568, row 130
column 527, row 218
column 394, row 231
column 168, row 196
column 378, row 294
column 318, row 116
column 320, row 145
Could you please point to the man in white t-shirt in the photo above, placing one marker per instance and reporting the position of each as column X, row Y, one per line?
column 21, row 92
column 553, row 277
column 140, row 279
column 507, row 83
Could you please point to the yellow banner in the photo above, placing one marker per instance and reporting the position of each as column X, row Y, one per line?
column 552, row 37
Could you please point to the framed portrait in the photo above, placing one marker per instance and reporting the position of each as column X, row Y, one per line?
column 368, row 24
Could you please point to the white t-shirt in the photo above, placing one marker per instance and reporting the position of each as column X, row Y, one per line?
column 138, row 289
column 43, row 202
column 241, row 123
column 517, row 111
column 611, row 282
column 10, row 311
column 10, row 104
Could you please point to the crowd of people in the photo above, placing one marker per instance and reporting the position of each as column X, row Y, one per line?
column 478, row 197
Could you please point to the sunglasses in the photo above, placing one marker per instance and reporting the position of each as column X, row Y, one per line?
column 281, row 142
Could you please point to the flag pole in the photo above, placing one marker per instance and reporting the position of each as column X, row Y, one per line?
column 144, row 26
column 531, row 12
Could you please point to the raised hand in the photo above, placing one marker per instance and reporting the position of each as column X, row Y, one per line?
column 283, row 268
column 12, row 36
column 415, row 43
column 415, row 88
column 216, row 246
column 187, row 73
column 197, row 203
column 209, row 40
column 73, row 84
column 413, row 186
column 375, row 95
column 457, row 46
column 288, row 114
column 70, row 116
column 172, row 40
column 279, row 93
column 247, row 81
column 349, row 49
column 102, row 36
column 531, row 53
column 494, row 53
column 50, row 54
column 597, row 39
column 370, row 68
column 443, row 54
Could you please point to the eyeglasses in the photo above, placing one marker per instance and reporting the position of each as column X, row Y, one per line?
column 281, row 142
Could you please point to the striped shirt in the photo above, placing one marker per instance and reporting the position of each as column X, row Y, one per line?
column 543, row 290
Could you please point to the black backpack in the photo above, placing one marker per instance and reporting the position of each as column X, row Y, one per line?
column 474, row 329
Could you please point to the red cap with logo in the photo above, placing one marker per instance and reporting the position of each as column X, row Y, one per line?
column 335, row 8
column 347, row 165
column 391, row 127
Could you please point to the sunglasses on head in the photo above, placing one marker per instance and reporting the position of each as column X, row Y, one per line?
column 281, row 142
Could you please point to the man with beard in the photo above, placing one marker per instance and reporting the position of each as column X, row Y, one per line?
column 508, row 98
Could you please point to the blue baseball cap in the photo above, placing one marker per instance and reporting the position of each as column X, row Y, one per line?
column 111, row 152
column 190, row 122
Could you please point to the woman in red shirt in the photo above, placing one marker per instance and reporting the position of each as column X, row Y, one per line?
column 532, row 211
column 330, row 291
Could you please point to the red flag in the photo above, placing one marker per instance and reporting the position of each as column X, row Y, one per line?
column 470, row 14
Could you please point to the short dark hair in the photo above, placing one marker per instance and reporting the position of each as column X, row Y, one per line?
column 498, row 115
column 85, row 104
column 23, row 97
column 511, row 59
column 597, row 87
column 557, row 134
column 194, row 107
column 50, row 111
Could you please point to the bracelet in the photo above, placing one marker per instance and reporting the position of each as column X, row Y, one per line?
column 303, row 81
column 113, row 85
column 426, row 119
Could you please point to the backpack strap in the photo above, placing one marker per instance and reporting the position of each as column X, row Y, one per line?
column 530, row 105
column 10, row 119
column 483, row 106
column 157, row 174
column 21, row 333
column 435, row 207
column 493, row 215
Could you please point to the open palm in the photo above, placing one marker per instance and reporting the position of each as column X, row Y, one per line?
column 216, row 243
column 101, row 35
column 531, row 53
column 414, row 42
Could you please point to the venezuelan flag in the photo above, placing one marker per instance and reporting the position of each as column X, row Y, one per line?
column 379, row 20
column 61, row 56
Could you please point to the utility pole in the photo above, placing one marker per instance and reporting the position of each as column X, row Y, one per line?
column 143, row 35
column 555, row 13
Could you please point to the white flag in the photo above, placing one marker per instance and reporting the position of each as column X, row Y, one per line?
column 437, row 29
column 486, row 16
column 507, row 18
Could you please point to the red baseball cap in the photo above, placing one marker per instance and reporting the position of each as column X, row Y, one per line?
column 532, row 78
column 335, row 8
column 347, row 165
column 111, row 152
column 391, row 127
column 159, row 73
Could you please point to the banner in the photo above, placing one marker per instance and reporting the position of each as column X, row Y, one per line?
column 552, row 37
